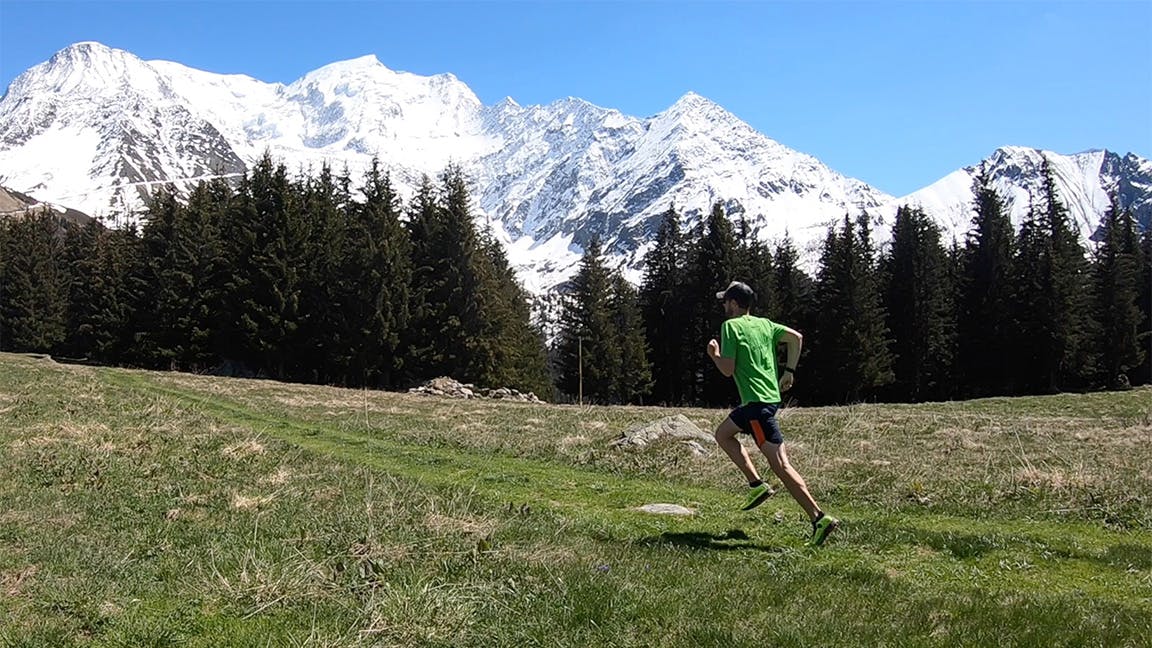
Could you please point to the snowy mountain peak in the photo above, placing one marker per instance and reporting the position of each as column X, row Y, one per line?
column 696, row 109
column 86, row 53
column 694, row 117
column 571, row 104
column 367, row 61
column 692, row 99
column 365, row 69
column 369, row 79
column 86, row 69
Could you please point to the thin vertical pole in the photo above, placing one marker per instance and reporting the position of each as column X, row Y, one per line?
column 580, row 369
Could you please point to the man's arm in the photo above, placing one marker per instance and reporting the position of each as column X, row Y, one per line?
column 727, row 366
column 792, row 341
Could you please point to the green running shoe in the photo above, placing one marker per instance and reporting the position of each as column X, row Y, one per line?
column 821, row 529
column 756, row 496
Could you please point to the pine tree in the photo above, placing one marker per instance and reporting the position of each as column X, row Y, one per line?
column 82, row 252
column 918, row 301
column 953, row 281
column 34, row 297
column 99, row 300
column 1116, row 291
column 587, row 359
column 4, row 252
column 1072, row 284
column 792, row 287
column 1029, row 306
column 445, row 300
column 1143, row 374
column 985, row 321
column 754, row 267
column 663, row 302
column 5, row 255
column 711, row 267
column 517, row 356
column 378, row 275
column 1054, row 331
column 850, row 358
column 324, row 331
column 468, row 319
column 266, row 233
column 423, row 358
column 634, row 379
column 180, row 279
column 793, row 293
column 157, row 296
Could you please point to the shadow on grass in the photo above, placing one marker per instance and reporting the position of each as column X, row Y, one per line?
column 731, row 540
column 959, row 545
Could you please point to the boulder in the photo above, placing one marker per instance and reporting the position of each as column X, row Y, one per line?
column 676, row 427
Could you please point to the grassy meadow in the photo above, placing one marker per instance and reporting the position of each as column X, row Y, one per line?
column 154, row 509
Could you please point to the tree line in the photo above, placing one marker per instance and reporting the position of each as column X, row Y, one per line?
column 1001, row 313
column 281, row 277
column 294, row 278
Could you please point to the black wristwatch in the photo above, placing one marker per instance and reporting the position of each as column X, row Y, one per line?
column 790, row 370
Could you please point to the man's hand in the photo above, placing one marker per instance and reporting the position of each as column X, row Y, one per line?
column 786, row 381
column 727, row 366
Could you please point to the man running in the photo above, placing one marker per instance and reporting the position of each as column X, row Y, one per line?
column 747, row 351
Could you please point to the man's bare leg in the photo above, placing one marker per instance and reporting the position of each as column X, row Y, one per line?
column 778, row 460
column 726, row 438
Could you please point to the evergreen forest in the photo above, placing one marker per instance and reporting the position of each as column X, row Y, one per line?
column 323, row 278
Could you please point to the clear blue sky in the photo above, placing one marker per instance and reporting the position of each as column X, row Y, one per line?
column 897, row 94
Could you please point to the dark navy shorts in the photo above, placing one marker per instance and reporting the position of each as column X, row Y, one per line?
column 759, row 420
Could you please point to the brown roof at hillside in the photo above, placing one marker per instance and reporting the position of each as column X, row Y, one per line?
column 14, row 203
column 9, row 203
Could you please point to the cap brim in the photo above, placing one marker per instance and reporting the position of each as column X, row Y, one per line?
column 720, row 295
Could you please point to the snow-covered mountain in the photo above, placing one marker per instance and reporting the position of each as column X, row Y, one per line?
column 93, row 128
column 97, row 128
column 1084, row 182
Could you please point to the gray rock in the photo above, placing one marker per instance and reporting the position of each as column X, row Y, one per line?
column 671, row 427
column 666, row 509
column 696, row 448
column 447, row 387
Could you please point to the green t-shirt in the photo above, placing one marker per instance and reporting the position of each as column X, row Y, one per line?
column 751, row 341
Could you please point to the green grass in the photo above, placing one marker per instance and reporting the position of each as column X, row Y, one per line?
column 151, row 509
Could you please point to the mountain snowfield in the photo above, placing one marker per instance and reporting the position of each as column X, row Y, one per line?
column 1084, row 181
column 96, row 128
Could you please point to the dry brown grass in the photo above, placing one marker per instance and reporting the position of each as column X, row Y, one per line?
column 569, row 442
column 13, row 582
column 58, row 520
column 88, row 435
column 243, row 449
column 1055, row 479
column 244, row 502
column 282, row 476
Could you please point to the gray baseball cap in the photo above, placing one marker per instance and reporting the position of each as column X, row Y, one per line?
column 741, row 292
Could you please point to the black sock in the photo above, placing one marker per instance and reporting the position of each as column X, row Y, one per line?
column 819, row 514
column 754, row 484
